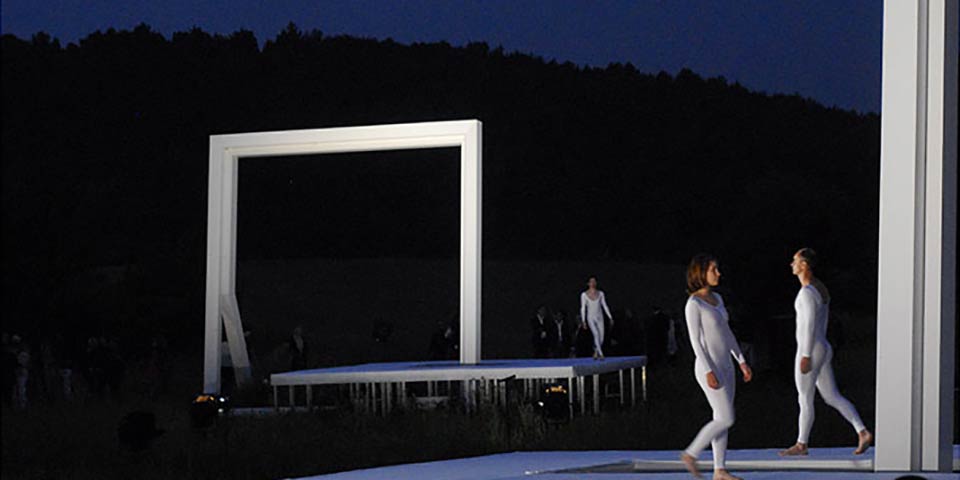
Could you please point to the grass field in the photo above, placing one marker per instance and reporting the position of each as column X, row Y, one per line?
column 66, row 441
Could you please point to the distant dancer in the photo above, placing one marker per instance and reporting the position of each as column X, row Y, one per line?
column 593, row 304
column 814, row 354
column 712, row 342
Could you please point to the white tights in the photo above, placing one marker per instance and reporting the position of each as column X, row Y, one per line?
column 821, row 377
column 715, row 431
column 596, row 328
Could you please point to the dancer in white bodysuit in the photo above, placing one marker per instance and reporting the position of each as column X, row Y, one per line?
column 813, row 369
column 591, row 302
column 713, row 343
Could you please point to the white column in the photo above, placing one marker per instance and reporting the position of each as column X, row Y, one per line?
column 917, row 244
column 471, row 180
column 939, row 302
column 212, row 329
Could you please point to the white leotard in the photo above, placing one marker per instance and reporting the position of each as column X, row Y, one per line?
column 712, row 342
column 590, row 308
column 812, row 316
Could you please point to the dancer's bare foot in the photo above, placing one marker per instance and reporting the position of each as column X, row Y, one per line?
column 798, row 449
column 596, row 356
column 866, row 438
column 724, row 475
column 691, row 464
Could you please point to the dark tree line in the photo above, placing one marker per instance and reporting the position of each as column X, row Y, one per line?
column 104, row 162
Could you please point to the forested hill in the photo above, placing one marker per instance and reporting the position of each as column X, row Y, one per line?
column 105, row 156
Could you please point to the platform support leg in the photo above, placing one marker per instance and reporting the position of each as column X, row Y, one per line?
column 580, row 393
column 387, row 398
column 643, row 379
column 371, row 398
column 309, row 397
column 276, row 398
column 620, row 374
column 596, row 394
column 570, row 395
column 633, row 387
column 291, row 392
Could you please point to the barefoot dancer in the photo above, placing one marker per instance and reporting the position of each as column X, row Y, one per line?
column 591, row 301
column 814, row 353
column 712, row 341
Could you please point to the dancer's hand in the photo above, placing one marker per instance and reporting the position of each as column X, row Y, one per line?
column 712, row 381
column 805, row 365
column 747, row 372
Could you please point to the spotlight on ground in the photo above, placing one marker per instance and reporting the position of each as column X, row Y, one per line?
column 554, row 403
column 206, row 408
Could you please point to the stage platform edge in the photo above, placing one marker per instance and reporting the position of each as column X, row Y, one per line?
column 389, row 380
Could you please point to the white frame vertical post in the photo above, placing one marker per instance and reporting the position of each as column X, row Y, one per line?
column 916, row 308
column 222, row 310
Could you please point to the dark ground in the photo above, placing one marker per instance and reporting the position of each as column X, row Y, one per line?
column 79, row 441
column 59, row 440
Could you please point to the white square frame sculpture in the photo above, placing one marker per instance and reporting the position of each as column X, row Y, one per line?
column 222, row 311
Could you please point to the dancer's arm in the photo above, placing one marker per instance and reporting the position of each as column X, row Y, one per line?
column 603, row 302
column 806, row 320
column 583, row 308
column 735, row 348
column 695, row 330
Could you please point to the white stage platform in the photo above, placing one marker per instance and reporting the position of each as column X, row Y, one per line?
column 378, row 385
column 822, row 464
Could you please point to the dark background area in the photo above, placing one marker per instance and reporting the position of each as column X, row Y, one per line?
column 105, row 147
column 400, row 203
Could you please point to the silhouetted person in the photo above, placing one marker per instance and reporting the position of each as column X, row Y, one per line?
column 66, row 362
column 22, row 374
column 673, row 347
column 298, row 349
column 539, row 333
column 114, row 367
column 582, row 340
column 658, row 325
column 558, row 335
column 443, row 343
column 631, row 337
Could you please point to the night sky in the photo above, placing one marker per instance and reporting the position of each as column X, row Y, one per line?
column 829, row 50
